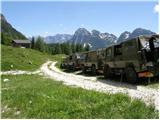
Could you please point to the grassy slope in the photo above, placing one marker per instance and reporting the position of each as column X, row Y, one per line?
column 38, row 97
column 23, row 59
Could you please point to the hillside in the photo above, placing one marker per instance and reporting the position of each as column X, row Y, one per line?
column 23, row 59
column 8, row 32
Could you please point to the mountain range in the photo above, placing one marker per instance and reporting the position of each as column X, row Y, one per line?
column 58, row 38
column 137, row 32
column 95, row 39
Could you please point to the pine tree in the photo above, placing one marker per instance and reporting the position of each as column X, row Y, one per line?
column 33, row 43
column 80, row 47
column 39, row 44
column 59, row 49
column 87, row 47
column 73, row 47
column 68, row 49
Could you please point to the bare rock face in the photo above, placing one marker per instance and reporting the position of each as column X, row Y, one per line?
column 58, row 38
column 124, row 36
column 140, row 31
column 137, row 32
column 95, row 38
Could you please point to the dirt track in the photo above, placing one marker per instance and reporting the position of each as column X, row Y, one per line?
column 149, row 96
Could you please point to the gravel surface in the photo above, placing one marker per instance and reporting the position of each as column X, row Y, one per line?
column 148, row 95
column 19, row 72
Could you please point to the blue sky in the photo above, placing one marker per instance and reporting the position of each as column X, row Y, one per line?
column 49, row 18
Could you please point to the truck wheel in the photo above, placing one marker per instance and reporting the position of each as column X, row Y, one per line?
column 83, row 69
column 67, row 67
column 61, row 66
column 107, row 71
column 73, row 67
column 131, row 75
column 93, row 70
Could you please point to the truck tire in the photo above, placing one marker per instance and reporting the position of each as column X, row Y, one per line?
column 107, row 71
column 61, row 66
column 67, row 67
column 74, row 67
column 93, row 70
column 83, row 69
column 131, row 75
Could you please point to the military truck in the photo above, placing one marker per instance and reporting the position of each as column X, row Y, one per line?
column 134, row 58
column 64, row 64
column 92, row 61
column 73, row 61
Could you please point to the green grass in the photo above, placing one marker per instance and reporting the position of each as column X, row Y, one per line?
column 23, row 59
column 38, row 97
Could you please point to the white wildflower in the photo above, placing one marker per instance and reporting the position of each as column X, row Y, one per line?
column 17, row 112
column 30, row 102
column 5, row 80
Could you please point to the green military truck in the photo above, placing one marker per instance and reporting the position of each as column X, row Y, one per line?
column 73, row 62
column 92, row 61
column 64, row 64
column 134, row 58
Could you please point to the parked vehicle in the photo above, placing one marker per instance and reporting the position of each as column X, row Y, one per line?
column 72, row 62
column 135, row 58
column 93, row 61
column 64, row 64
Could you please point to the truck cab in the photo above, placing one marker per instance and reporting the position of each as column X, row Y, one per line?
column 137, row 57
column 74, row 61
column 93, row 61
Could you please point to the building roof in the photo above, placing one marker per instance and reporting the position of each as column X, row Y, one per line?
column 21, row 41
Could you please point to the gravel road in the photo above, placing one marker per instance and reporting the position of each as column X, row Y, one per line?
column 148, row 95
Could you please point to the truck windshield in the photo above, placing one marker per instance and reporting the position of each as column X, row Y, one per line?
column 150, row 47
column 77, row 56
column 145, row 43
column 82, row 56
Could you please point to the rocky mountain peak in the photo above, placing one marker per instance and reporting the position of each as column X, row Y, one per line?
column 140, row 31
column 82, row 31
column 95, row 33
column 125, row 35
column 137, row 32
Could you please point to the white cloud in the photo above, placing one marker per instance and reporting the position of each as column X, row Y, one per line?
column 156, row 8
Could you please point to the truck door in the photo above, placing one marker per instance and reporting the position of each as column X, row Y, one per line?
column 118, row 56
column 100, row 58
column 109, row 56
